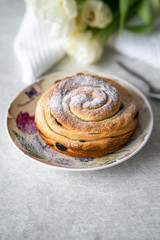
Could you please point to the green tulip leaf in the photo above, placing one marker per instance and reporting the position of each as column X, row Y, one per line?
column 123, row 9
column 148, row 10
column 142, row 29
column 105, row 33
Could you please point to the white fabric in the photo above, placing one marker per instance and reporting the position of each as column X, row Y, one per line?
column 37, row 51
column 145, row 48
column 35, row 48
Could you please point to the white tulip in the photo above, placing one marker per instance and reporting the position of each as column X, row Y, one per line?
column 62, row 27
column 70, row 7
column 96, row 13
column 80, row 22
column 49, row 10
column 60, row 14
column 84, row 48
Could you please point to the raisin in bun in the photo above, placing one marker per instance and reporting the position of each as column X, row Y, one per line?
column 85, row 115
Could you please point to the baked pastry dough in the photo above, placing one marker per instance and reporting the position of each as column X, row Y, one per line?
column 86, row 116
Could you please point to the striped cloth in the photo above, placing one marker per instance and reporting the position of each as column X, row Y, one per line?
column 35, row 48
column 145, row 48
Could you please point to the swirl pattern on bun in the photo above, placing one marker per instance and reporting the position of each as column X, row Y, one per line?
column 86, row 115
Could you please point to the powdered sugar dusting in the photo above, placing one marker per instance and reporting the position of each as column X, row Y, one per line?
column 83, row 97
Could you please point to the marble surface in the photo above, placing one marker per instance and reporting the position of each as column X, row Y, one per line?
column 39, row 202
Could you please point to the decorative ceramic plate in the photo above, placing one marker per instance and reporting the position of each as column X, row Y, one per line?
column 23, row 133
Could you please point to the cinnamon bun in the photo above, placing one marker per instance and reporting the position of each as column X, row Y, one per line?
column 86, row 116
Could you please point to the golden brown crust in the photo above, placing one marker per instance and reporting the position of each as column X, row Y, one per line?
column 88, row 115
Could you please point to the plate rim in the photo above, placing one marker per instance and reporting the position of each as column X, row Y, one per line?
column 89, row 168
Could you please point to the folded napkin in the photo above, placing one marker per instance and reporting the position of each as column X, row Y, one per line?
column 145, row 48
column 37, row 50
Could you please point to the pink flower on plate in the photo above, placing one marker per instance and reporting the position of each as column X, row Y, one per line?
column 26, row 123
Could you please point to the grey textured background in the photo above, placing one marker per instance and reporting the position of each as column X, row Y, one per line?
column 39, row 202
